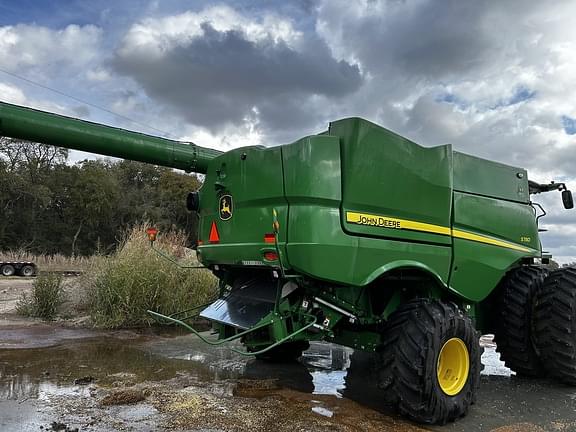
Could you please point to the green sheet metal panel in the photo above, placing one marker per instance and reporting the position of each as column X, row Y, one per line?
column 392, row 187
column 317, row 245
column 483, row 177
column 502, row 231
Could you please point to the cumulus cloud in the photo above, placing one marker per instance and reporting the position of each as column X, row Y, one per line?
column 494, row 79
column 218, row 66
column 15, row 95
column 28, row 46
column 12, row 94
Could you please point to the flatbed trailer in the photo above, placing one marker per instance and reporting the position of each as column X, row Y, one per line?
column 18, row 268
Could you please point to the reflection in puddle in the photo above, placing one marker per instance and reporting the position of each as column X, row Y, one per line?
column 329, row 383
column 491, row 359
column 322, row 411
column 493, row 366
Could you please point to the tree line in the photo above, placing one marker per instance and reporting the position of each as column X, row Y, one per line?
column 49, row 206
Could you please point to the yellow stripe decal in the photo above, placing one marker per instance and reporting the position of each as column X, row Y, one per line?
column 395, row 223
column 488, row 240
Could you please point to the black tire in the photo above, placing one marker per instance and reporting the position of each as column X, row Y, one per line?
column 416, row 333
column 513, row 332
column 288, row 352
column 555, row 324
column 8, row 270
column 27, row 270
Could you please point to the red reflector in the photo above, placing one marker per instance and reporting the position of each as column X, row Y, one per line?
column 270, row 256
column 152, row 233
column 269, row 238
column 214, row 236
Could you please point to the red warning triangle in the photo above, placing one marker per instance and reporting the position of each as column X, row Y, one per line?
column 214, row 236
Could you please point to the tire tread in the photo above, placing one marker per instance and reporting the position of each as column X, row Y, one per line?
column 555, row 324
column 514, row 328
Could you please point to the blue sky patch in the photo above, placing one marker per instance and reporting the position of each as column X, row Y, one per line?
column 451, row 98
column 569, row 125
column 521, row 94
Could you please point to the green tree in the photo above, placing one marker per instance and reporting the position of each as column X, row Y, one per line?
column 50, row 206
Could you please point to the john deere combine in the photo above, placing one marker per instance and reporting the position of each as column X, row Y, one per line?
column 363, row 238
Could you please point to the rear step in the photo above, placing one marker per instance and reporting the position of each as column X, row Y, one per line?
column 245, row 305
column 249, row 306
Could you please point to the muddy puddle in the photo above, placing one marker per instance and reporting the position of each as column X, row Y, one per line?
column 127, row 381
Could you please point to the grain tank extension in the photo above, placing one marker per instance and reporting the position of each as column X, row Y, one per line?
column 361, row 237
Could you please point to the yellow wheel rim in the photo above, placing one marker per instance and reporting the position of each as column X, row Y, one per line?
column 453, row 366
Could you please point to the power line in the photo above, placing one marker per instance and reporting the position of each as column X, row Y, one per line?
column 167, row 134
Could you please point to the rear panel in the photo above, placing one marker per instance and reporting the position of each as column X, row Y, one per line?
column 253, row 179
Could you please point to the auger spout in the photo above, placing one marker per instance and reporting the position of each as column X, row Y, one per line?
column 53, row 129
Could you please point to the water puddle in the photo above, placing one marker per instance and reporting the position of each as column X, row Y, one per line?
column 41, row 384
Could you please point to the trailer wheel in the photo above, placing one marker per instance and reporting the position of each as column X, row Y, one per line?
column 286, row 353
column 8, row 270
column 555, row 324
column 27, row 270
column 513, row 331
column 430, row 361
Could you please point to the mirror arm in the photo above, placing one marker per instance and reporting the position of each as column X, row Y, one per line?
column 536, row 188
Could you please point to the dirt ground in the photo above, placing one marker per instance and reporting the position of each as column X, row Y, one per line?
column 59, row 376
column 11, row 290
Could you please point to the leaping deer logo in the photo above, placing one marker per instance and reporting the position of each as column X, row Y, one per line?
column 225, row 207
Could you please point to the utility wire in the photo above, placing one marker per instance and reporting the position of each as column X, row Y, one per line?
column 167, row 134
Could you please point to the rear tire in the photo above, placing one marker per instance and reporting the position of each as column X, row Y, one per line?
column 288, row 352
column 8, row 270
column 27, row 271
column 421, row 377
column 513, row 332
column 555, row 324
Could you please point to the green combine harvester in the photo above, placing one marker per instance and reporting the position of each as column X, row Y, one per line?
column 360, row 237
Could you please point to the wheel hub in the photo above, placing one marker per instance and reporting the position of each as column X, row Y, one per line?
column 453, row 366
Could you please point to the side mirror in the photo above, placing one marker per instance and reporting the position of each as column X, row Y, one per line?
column 567, row 199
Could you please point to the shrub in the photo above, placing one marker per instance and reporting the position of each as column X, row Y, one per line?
column 45, row 300
column 122, row 287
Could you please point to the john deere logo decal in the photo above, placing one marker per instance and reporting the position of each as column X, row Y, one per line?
column 226, row 207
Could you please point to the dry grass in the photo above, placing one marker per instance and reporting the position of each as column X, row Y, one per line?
column 49, row 262
column 122, row 287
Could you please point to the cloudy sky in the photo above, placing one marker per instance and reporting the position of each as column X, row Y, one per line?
column 497, row 79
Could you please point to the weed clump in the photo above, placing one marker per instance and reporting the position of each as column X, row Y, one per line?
column 122, row 287
column 123, row 397
column 45, row 300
